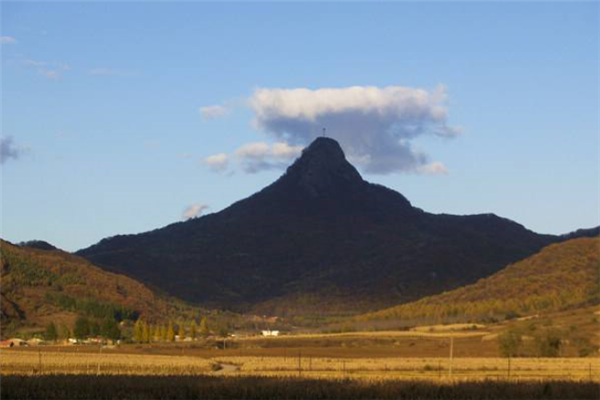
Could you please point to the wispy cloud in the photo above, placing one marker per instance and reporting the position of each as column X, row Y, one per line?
column 213, row 112
column 194, row 210
column 217, row 162
column 7, row 40
column 49, row 69
column 435, row 168
column 260, row 156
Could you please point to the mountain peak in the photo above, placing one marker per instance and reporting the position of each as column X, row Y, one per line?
column 322, row 168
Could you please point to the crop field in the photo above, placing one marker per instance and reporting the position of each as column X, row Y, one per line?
column 74, row 375
column 15, row 362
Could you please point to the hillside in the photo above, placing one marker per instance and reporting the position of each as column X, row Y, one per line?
column 559, row 277
column 39, row 286
column 320, row 240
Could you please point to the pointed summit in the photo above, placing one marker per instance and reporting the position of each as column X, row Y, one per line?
column 322, row 168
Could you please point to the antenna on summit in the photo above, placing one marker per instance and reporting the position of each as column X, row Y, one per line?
column 324, row 132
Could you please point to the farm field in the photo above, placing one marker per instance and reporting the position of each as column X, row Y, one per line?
column 56, row 375
column 15, row 362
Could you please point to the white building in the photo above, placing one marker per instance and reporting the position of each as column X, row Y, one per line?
column 270, row 333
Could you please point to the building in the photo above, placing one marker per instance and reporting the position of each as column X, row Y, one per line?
column 270, row 333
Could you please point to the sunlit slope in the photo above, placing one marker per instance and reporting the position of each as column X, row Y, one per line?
column 39, row 286
column 560, row 276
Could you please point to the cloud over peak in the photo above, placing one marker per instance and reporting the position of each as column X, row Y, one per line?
column 375, row 126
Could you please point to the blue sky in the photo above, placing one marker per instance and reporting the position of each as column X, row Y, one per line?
column 103, row 134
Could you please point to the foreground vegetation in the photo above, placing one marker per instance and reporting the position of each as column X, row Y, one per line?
column 182, row 387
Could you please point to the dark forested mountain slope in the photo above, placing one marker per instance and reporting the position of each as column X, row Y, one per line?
column 320, row 239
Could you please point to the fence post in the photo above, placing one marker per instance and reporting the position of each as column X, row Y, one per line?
column 40, row 361
column 299, row 363
column 508, row 367
column 590, row 371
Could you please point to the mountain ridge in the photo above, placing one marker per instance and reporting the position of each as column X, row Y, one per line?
column 320, row 231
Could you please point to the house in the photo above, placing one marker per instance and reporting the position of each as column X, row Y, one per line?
column 13, row 343
column 270, row 333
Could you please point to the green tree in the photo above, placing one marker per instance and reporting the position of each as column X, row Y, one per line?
column 204, row 331
column 95, row 328
column 163, row 333
column 51, row 332
column 509, row 343
column 110, row 329
column 193, row 330
column 82, row 328
column 548, row 343
column 170, row 332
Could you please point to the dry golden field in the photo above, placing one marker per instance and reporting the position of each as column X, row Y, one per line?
column 16, row 362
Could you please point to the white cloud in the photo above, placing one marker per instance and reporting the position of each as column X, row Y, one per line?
column 193, row 211
column 435, row 168
column 259, row 156
column 375, row 126
column 213, row 112
column 7, row 40
column 9, row 150
column 217, row 162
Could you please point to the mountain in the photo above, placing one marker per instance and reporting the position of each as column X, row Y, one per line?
column 319, row 240
column 559, row 277
column 43, row 285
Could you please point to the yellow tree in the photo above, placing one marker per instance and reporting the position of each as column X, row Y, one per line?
column 170, row 332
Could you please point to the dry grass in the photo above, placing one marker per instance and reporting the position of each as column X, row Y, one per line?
column 29, row 362
column 15, row 362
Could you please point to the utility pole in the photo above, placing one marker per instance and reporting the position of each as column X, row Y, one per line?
column 299, row 363
column 324, row 132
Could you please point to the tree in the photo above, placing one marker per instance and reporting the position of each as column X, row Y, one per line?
column 110, row 329
column 51, row 332
column 95, row 329
column 163, row 333
column 193, row 329
column 204, row 331
column 82, row 328
column 170, row 332
column 548, row 343
column 509, row 343
column 181, row 330
column 145, row 333
column 138, row 329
